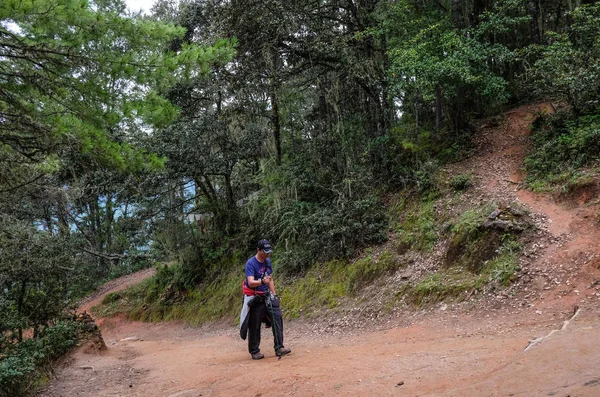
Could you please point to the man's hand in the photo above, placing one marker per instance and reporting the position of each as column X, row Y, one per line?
column 267, row 279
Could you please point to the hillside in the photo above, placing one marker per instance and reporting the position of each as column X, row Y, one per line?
column 536, row 337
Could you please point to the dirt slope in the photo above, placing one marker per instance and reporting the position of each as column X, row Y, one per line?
column 449, row 351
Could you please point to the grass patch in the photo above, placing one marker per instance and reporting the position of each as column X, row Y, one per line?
column 449, row 283
column 457, row 281
column 470, row 245
column 415, row 223
column 159, row 299
column 162, row 298
column 461, row 182
column 111, row 298
column 324, row 285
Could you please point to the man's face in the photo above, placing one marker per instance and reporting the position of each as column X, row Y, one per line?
column 262, row 255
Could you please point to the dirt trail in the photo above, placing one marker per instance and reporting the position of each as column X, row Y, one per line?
column 445, row 352
column 114, row 286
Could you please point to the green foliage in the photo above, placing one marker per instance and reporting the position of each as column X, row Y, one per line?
column 433, row 62
column 569, row 68
column 327, row 283
column 101, row 70
column 563, row 144
column 470, row 244
column 36, row 271
column 170, row 295
column 443, row 57
column 457, row 281
column 22, row 365
column 414, row 153
column 415, row 223
column 461, row 182
column 438, row 286
column 308, row 232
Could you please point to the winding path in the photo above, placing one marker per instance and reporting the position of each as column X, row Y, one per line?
column 442, row 352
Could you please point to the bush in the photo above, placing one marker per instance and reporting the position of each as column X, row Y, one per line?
column 321, row 232
column 473, row 246
column 568, row 68
column 562, row 145
column 23, row 364
column 461, row 182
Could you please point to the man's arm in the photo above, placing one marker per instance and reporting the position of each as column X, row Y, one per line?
column 252, row 283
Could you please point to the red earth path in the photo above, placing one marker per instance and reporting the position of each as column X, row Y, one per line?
column 448, row 351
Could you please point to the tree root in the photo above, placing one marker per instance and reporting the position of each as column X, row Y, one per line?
column 534, row 342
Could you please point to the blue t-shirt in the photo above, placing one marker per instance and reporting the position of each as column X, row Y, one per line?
column 258, row 270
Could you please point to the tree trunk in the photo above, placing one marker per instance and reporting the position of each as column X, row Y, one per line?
column 438, row 107
column 97, row 229
column 322, row 110
column 61, row 214
column 110, row 215
column 48, row 223
column 229, row 191
column 457, row 13
column 274, row 62
column 20, row 302
column 534, row 25
column 208, row 191
column 219, row 102
column 388, row 106
column 275, row 121
column 476, row 12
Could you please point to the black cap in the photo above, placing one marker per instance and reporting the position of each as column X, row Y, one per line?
column 265, row 246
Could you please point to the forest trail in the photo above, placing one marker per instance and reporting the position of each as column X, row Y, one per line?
column 447, row 351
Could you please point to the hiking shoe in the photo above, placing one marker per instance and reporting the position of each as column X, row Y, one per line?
column 257, row 356
column 283, row 351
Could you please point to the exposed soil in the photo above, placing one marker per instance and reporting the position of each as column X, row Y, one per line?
column 476, row 348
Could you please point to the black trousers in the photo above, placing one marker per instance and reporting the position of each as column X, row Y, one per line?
column 255, row 318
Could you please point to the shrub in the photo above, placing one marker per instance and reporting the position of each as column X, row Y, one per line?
column 461, row 182
column 470, row 245
column 22, row 365
column 321, row 232
column 568, row 67
column 562, row 145
column 15, row 374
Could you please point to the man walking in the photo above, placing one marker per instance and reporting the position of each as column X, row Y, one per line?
column 260, row 301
